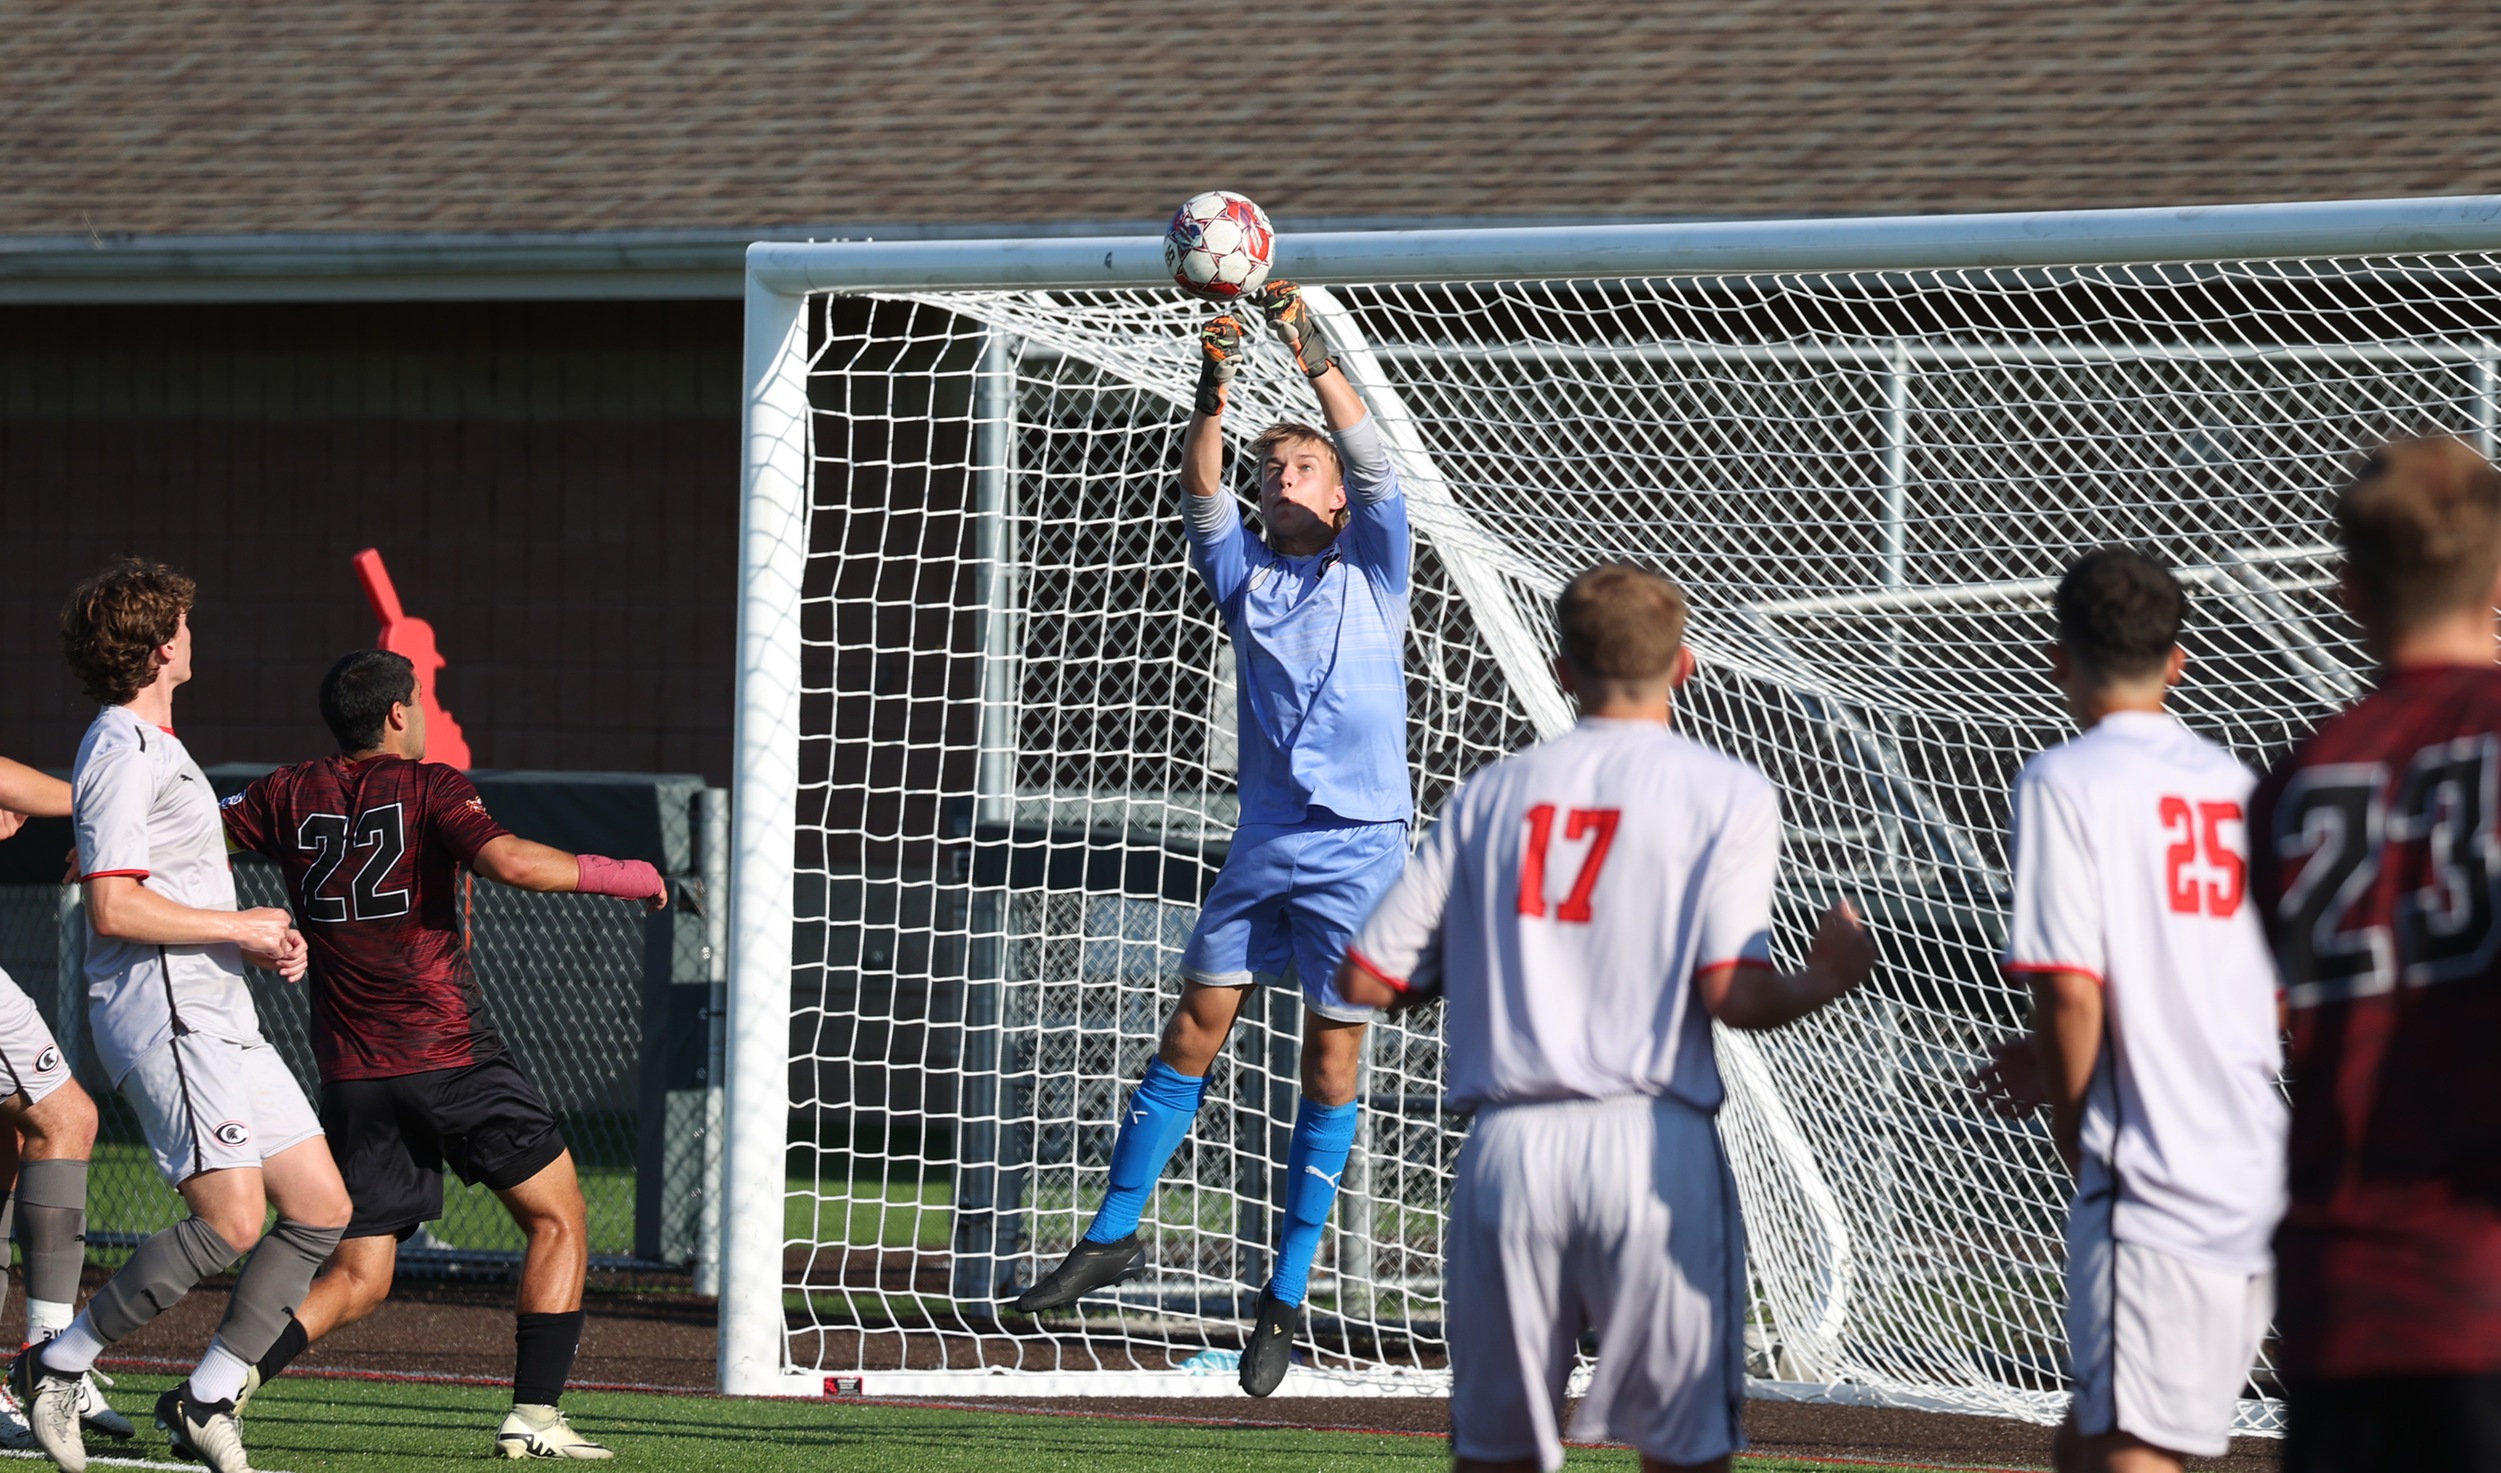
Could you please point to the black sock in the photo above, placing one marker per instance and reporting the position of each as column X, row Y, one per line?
column 543, row 1347
column 283, row 1351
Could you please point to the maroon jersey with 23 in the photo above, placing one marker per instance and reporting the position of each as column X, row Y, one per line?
column 372, row 851
column 2377, row 863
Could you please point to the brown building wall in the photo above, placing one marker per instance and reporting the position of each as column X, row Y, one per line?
column 554, row 487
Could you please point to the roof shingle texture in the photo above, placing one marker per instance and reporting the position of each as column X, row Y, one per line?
column 206, row 116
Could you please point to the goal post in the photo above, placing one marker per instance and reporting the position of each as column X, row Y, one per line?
column 984, row 741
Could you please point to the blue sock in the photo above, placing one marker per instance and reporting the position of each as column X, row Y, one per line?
column 1159, row 1115
column 1323, row 1134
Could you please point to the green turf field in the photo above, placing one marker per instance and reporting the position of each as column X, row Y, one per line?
column 303, row 1423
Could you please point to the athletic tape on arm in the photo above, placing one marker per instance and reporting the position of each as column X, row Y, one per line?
column 629, row 879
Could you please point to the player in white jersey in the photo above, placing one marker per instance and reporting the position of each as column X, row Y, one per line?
column 173, row 1025
column 52, row 1127
column 2153, row 1036
column 1588, row 907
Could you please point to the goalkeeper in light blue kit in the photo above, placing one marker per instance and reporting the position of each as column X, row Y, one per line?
column 1318, row 618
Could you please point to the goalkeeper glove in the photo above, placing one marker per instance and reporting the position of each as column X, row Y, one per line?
column 1294, row 325
column 1219, row 355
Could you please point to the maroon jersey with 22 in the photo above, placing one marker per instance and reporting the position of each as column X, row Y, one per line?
column 372, row 852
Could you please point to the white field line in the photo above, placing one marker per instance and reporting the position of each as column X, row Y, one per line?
column 95, row 1460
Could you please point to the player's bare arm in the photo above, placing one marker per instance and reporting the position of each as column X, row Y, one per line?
column 515, row 861
column 1751, row 996
column 2066, row 1043
column 26, row 793
column 120, row 907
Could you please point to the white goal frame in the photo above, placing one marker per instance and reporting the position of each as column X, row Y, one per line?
column 777, row 425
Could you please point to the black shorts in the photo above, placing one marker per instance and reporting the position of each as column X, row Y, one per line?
column 392, row 1138
column 2394, row 1422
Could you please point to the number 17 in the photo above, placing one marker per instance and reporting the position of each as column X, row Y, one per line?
column 1599, row 824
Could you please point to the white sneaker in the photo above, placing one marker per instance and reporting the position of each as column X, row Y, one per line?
column 96, row 1415
column 542, row 1432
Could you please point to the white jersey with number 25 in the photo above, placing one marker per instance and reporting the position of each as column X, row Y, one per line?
column 2131, row 868
column 1565, row 900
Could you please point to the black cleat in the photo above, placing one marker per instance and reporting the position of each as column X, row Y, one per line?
column 1088, row 1267
column 1271, row 1347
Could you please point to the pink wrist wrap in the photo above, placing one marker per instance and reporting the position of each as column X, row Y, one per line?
column 629, row 879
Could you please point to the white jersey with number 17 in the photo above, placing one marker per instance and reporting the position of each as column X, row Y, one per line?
column 2131, row 868
column 1565, row 900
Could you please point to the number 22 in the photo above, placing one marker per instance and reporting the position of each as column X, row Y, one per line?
column 1596, row 823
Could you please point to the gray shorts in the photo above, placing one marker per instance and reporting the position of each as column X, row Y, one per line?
column 1618, row 1216
column 30, row 1061
column 213, row 1104
column 2161, row 1346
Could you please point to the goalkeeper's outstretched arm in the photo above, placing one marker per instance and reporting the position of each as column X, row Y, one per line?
column 1289, row 316
column 1202, row 445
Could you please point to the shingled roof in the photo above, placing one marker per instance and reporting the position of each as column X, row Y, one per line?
column 210, row 117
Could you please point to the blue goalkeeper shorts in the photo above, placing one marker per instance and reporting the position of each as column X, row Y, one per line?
column 1294, row 894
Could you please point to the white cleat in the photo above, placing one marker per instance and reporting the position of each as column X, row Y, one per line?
column 243, row 1398
column 542, row 1432
column 51, row 1403
column 97, row 1415
column 203, row 1431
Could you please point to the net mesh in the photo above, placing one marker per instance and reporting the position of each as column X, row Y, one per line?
column 1018, row 770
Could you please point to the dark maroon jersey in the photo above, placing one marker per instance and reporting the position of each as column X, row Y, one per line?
column 372, row 852
column 2376, row 856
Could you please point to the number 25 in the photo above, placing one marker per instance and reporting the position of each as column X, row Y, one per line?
column 2198, row 828
column 1599, row 824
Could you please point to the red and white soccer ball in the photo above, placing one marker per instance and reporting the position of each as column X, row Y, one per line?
column 1217, row 246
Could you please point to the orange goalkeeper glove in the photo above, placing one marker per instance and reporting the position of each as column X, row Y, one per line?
column 1219, row 355
column 1290, row 317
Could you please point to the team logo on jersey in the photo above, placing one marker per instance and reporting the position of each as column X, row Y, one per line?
column 47, row 1061
column 231, row 1132
column 230, row 800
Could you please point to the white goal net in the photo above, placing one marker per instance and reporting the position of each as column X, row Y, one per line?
column 1012, row 763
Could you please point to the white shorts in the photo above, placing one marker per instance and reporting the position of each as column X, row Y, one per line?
column 1618, row 1216
column 30, row 1060
column 2159, row 1346
column 212, row 1104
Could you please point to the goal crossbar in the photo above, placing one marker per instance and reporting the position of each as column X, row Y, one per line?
column 1549, row 252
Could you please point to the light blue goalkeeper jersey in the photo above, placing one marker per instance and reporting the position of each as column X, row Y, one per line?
column 1319, row 649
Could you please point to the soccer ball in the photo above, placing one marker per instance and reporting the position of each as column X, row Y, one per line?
column 1217, row 246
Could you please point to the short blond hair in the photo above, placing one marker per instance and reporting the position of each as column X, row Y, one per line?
column 1619, row 622
column 2421, row 529
column 1295, row 432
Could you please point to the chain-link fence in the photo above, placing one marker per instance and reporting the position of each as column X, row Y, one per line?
column 606, row 1008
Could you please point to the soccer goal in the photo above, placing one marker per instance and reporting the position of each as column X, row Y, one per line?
column 985, row 741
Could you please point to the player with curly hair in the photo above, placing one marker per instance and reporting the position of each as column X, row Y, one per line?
column 174, row 1027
